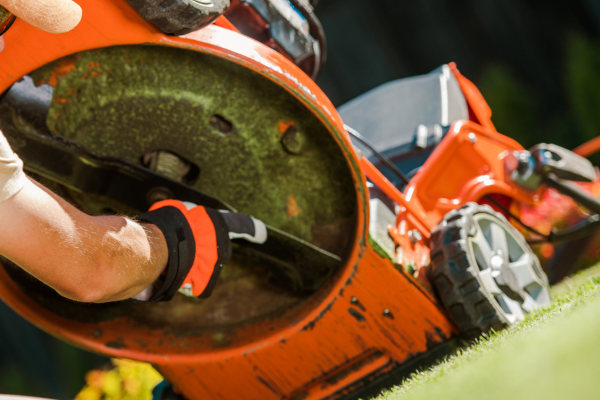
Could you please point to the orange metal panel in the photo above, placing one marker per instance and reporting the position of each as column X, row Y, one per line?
column 589, row 148
column 285, row 362
column 478, row 107
column 466, row 165
column 294, row 354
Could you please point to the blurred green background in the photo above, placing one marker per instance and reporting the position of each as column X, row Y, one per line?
column 35, row 364
column 536, row 62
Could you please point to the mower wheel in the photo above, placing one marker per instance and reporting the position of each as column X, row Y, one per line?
column 484, row 272
column 179, row 17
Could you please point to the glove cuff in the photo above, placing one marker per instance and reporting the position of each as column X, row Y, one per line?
column 198, row 243
column 182, row 248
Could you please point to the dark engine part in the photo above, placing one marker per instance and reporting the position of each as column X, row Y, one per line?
column 550, row 158
column 179, row 17
column 556, row 167
column 287, row 26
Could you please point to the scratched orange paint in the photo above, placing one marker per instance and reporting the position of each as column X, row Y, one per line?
column 292, row 208
column 63, row 68
column 283, row 126
column 302, row 351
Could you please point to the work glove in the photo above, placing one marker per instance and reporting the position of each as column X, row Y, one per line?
column 199, row 243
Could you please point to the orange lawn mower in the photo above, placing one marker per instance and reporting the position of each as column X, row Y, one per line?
column 377, row 260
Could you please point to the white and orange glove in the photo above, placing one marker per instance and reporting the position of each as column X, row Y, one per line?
column 199, row 243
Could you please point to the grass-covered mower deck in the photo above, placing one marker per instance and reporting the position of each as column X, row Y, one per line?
column 241, row 122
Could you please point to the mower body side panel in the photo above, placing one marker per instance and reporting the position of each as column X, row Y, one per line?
column 376, row 319
column 367, row 320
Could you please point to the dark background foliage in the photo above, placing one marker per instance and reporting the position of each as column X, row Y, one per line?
column 536, row 62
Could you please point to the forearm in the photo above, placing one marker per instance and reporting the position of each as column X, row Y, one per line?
column 91, row 259
column 95, row 259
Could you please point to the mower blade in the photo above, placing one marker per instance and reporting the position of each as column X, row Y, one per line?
column 23, row 111
column 300, row 264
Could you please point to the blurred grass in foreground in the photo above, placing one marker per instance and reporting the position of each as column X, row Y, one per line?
column 553, row 354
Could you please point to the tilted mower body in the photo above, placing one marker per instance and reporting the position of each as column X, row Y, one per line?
column 247, row 126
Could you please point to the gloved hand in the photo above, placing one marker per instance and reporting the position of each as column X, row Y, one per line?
column 199, row 242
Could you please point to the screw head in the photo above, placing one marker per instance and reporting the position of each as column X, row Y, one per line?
column 293, row 140
column 415, row 236
column 472, row 137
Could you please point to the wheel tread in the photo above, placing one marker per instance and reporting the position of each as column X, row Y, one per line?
column 179, row 17
column 456, row 280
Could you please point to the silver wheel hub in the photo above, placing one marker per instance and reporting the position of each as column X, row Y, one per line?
column 507, row 268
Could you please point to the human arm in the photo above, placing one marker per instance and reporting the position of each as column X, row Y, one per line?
column 95, row 259
column 84, row 258
column 100, row 259
column 111, row 258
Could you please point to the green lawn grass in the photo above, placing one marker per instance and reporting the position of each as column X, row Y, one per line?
column 553, row 354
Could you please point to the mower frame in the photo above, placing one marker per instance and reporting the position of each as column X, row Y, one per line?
column 370, row 323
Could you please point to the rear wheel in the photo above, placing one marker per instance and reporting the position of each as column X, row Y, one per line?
column 179, row 17
column 484, row 272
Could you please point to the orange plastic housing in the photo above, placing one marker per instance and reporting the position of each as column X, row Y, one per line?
column 369, row 320
column 467, row 165
column 363, row 325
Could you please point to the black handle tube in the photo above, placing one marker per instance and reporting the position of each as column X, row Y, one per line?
column 384, row 160
column 583, row 229
column 572, row 190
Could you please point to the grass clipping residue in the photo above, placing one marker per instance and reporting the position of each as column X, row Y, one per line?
column 126, row 101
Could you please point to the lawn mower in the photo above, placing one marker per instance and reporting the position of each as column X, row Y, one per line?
column 390, row 219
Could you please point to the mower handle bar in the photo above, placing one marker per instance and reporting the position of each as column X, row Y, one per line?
column 582, row 229
column 569, row 188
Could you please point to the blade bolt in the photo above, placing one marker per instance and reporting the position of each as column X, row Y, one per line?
column 293, row 141
column 159, row 194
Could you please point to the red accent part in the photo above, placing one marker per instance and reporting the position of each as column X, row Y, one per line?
column 589, row 148
column 248, row 21
column 225, row 23
column 205, row 238
column 505, row 201
column 478, row 107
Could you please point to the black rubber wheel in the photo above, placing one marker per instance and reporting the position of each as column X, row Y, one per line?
column 179, row 17
column 484, row 272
